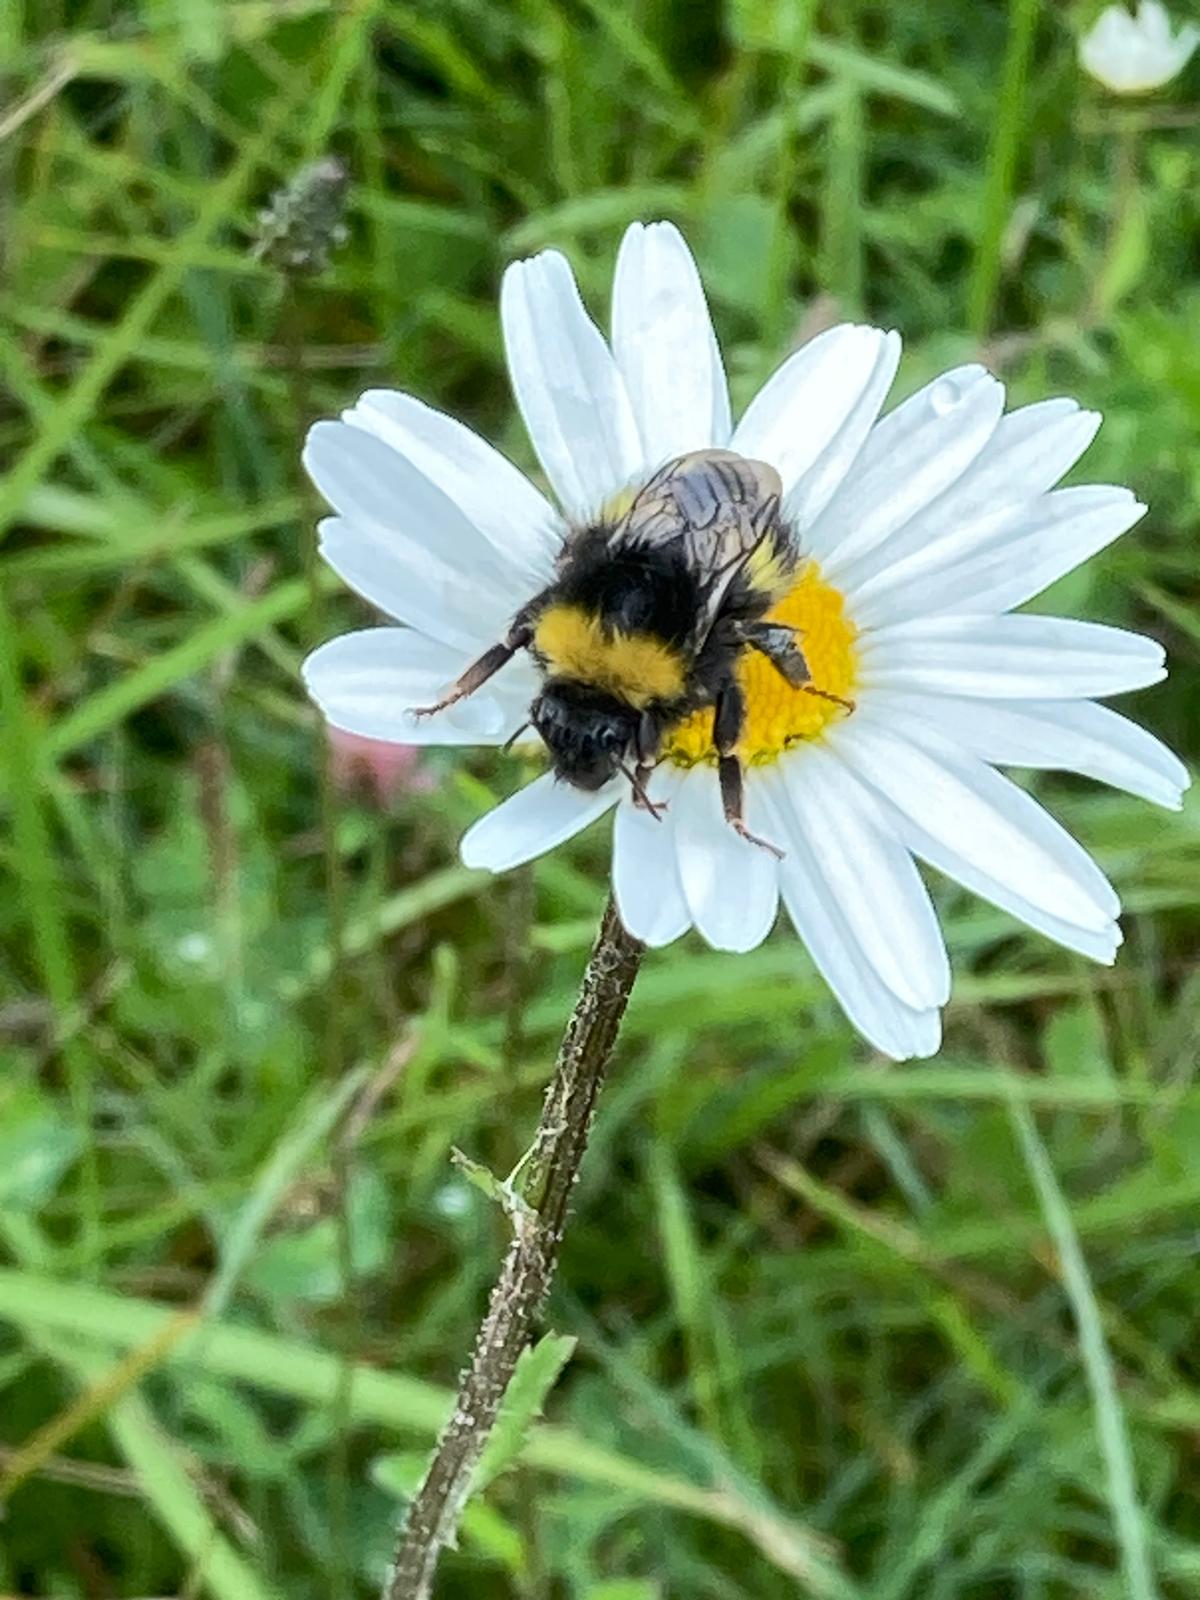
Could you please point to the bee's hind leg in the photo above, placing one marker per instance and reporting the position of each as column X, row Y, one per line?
column 778, row 642
column 478, row 673
column 727, row 729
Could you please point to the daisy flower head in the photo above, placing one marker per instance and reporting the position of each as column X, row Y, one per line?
column 1134, row 53
column 915, row 534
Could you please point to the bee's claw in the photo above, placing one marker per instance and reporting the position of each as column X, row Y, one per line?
column 431, row 711
column 743, row 832
column 827, row 694
column 656, row 808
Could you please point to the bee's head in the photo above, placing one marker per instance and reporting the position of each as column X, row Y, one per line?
column 587, row 731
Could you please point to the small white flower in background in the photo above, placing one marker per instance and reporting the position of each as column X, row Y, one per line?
column 1134, row 54
column 920, row 532
column 194, row 948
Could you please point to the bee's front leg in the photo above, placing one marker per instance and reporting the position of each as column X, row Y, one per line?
column 728, row 720
column 478, row 673
column 646, row 750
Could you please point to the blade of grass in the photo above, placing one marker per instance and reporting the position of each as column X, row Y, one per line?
column 112, row 704
column 166, row 1482
column 285, row 1162
column 873, row 74
column 36, row 865
column 716, row 1379
column 687, row 1277
column 379, row 1399
column 104, row 1388
column 1005, row 148
column 842, row 202
column 1111, row 1430
column 362, row 932
column 120, row 542
column 776, row 310
column 75, row 408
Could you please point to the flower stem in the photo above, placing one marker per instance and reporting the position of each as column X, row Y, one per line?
column 547, row 1176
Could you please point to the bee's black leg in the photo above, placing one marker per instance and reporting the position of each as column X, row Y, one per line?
column 478, row 673
column 777, row 641
column 727, row 730
column 647, row 740
column 638, row 777
column 645, row 747
column 779, row 644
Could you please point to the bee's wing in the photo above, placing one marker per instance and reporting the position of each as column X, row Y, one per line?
column 720, row 507
column 723, row 576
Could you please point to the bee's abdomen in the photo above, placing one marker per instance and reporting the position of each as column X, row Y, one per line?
column 770, row 568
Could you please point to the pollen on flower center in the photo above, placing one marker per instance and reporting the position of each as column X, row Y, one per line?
column 778, row 716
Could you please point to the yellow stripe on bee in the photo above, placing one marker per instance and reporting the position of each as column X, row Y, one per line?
column 636, row 667
column 767, row 571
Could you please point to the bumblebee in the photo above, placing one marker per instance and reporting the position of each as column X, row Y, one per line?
column 644, row 623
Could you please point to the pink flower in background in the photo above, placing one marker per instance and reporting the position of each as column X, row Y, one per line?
column 376, row 765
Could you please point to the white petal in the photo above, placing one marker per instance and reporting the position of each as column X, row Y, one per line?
column 368, row 683
column 819, row 919
column 1020, row 657
column 405, row 545
column 911, row 457
column 1058, row 735
column 539, row 817
column 979, row 815
column 998, row 563
column 1154, row 21
column 645, row 879
column 1099, row 946
column 810, row 418
column 1132, row 56
column 1027, row 454
column 818, row 486
column 514, row 517
column 870, row 875
column 571, row 395
column 665, row 347
column 413, row 587
column 731, row 886
column 1031, row 449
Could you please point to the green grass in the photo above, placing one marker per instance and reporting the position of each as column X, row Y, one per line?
column 917, row 1333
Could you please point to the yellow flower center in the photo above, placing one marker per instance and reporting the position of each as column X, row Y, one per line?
column 778, row 716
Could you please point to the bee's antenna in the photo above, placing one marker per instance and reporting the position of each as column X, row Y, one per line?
column 513, row 737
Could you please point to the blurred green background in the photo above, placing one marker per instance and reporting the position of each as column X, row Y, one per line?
column 843, row 1329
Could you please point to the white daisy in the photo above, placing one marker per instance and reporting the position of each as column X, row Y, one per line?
column 922, row 530
column 1134, row 54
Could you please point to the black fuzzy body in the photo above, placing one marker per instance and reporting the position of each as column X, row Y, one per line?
column 699, row 557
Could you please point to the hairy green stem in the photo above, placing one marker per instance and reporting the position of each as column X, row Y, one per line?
column 547, row 1177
